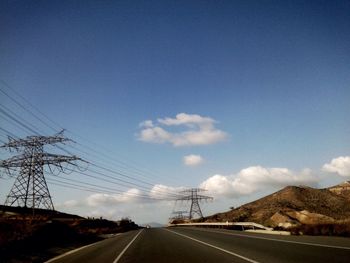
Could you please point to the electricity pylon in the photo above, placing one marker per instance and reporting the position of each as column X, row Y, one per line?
column 179, row 215
column 193, row 196
column 30, row 188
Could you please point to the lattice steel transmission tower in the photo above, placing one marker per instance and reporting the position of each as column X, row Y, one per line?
column 179, row 215
column 193, row 196
column 30, row 188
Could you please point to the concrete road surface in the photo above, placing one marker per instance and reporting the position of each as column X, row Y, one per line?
column 210, row 245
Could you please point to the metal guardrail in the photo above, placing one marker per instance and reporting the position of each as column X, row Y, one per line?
column 227, row 224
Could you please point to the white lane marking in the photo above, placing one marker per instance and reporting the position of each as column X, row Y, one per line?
column 126, row 248
column 278, row 240
column 218, row 248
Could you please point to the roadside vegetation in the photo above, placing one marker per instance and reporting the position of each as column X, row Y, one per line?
column 331, row 229
column 37, row 239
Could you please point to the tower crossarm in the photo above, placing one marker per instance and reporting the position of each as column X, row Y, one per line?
column 15, row 161
column 49, row 158
column 198, row 197
column 45, row 158
column 204, row 197
column 185, row 198
column 32, row 141
column 192, row 190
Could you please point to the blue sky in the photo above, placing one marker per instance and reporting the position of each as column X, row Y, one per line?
column 272, row 75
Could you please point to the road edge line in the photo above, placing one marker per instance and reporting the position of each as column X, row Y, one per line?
column 126, row 248
column 72, row 251
column 277, row 240
column 209, row 245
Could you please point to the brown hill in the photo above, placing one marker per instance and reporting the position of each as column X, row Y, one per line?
column 293, row 206
column 342, row 189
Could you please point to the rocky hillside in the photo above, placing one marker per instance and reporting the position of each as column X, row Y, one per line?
column 293, row 206
column 342, row 189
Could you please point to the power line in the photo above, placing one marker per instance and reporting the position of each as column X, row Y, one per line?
column 8, row 132
column 114, row 171
column 27, row 126
column 28, row 102
column 18, row 118
column 49, row 119
column 103, row 189
column 124, row 183
column 143, row 172
column 104, row 168
column 98, row 166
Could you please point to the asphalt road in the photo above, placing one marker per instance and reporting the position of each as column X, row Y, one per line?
column 210, row 245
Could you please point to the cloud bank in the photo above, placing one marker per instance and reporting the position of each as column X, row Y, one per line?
column 198, row 131
column 163, row 192
column 246, row 182
column 98, row 199
column 340, row 166
column 255, row 178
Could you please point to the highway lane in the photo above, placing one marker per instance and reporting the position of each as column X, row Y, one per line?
column 270, row 248
column 211, row 245
column 104, row 251
column 159, row 245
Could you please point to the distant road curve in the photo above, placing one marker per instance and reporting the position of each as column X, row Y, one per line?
column 180, row 244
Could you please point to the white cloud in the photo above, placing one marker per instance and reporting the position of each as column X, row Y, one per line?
column 146, row 123
column 192, row 160
column 199, row 131
column 340, row 165
column 155, row 135
column 95, row 200
column 140, row 206
column 71, row 203
column 160, row 191
column 254, row 178
column 110, row 212
column 188, row 120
